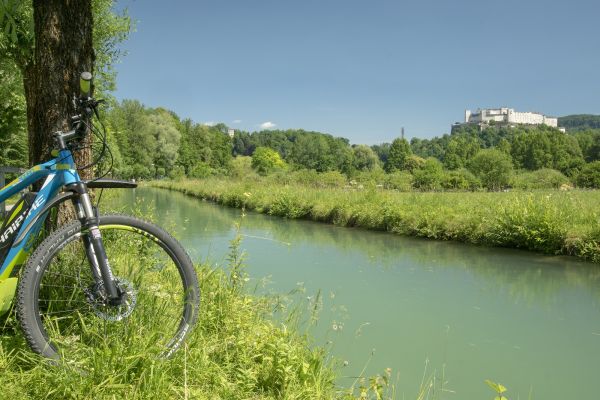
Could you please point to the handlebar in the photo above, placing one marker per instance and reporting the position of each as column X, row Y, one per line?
column 86, row 106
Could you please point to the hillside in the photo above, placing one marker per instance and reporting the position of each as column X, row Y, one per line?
column 579, row 121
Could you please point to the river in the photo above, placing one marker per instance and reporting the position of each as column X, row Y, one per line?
column 459, row 312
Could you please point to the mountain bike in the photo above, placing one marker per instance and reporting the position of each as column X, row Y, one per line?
column 100, row 282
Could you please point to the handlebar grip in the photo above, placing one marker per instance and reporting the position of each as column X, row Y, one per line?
column 85, row 84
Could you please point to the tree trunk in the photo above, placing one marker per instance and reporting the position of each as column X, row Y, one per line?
column 63, row 49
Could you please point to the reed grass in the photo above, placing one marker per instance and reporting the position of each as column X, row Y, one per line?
column 549, row 221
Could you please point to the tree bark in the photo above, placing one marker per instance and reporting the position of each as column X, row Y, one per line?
column 63, row 49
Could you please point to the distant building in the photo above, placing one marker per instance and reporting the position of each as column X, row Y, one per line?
column 231, row 132
column 507, row 116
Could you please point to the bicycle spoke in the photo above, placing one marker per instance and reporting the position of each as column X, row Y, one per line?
column 62, row 311
column 60, row 286
column 64, row 300
column 74, row 309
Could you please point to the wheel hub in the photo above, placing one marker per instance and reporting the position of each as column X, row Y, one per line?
column 97, row 298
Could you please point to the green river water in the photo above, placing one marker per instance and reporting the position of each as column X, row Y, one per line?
column 459, row 312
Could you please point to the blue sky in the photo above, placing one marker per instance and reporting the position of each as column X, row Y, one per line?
column 361, row 69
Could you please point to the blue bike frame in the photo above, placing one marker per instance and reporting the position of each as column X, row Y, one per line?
column 58, row 172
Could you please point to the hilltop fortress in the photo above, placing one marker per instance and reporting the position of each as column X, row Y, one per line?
column 507, row 116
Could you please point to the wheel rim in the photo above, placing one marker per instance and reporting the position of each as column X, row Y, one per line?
column 77, row 325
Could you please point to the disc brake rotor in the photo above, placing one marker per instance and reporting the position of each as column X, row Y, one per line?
column 99, row 302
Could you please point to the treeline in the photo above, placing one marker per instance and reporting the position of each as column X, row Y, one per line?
column 156, row 143
column 579, row 122
column 519, row 152
column 149, row 143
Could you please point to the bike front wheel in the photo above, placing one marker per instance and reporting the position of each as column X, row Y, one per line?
column 63, row 309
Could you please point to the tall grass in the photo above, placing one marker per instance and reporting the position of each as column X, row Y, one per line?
column 551, row 222
column 235, row 352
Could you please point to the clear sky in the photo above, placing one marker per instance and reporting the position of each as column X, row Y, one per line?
column 361, row 69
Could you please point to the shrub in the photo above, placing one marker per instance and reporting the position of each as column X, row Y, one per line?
column 544, row 178
column 139, row 171
column 589, row 176
column 399, row 180
column 429, row 176
column 241, row 167
column 370, row 179
column 460, row 179
column 266, row 160
column 287, row 205
column 493, row 167
column 201, row 170
column 177, row 172
column 364, row 158
column 535, row 223
column 413, row 163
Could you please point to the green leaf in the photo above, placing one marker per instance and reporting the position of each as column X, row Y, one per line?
column 7, row 28
column 493, row 385
column 14, row 32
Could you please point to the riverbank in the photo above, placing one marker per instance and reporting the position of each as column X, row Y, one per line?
column 235, row 352
column 551, row 222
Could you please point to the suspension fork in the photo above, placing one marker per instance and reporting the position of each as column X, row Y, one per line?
column 92, row 242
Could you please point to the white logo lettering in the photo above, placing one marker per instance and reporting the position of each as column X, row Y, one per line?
column 38, row 202
column 12, row 228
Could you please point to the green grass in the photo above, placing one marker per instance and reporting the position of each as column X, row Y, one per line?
column 235, row 352
column 551, row 222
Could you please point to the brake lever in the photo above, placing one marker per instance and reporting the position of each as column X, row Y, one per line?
column 95, row 106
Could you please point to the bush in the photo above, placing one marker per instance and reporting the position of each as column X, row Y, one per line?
column 399, row 180
column 332, row 179
column 201, row 170
column 429, row 176
column 493, row 167
column 414, row 163
column 589, row 176
column 139, row 171
column 364, row 158
column 241, row 167
column 460, row 179
column 370, row 179
column 544, row 178
column 534, row 223
column 177, row 172
column 266, row 160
